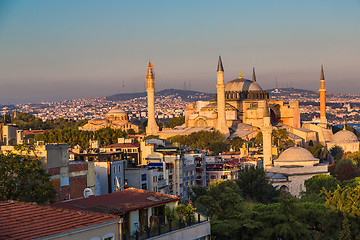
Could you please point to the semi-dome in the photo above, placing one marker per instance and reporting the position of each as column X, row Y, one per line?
column 242, row 85
column 344, row 136
column 294, row 154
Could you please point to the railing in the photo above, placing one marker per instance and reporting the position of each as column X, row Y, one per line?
column 169, row 226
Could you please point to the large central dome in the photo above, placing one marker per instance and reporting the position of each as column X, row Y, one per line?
column 242, row 85
column 241, row 88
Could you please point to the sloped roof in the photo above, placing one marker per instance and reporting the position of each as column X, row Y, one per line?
column 118, row 203
column 21, row 220
column 123, row 145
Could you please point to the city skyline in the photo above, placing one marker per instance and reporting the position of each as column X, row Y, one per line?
column 64, row 50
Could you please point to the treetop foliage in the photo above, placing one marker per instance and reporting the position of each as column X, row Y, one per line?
column 22, row 178
column 106, row 136
column 26, row 121
column 208, row 140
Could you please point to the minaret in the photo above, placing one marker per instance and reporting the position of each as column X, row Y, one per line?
column 220, row 86
column 254, row 76
column 266, row 131
column 322, row 91
column 151, row 128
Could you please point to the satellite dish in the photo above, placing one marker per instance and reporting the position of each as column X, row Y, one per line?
column 88, row 192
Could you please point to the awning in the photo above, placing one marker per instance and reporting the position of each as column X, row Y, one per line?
column 157, row 165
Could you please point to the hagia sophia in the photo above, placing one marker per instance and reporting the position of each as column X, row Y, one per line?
column 241, row 108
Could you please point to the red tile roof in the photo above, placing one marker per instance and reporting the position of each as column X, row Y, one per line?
column 123, row 145
column 19, row 220
column 35, row 132
column 118, row 203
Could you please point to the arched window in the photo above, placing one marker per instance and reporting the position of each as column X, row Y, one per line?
column 201, row 123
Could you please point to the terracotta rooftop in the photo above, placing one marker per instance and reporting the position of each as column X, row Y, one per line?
column 123, row 145
column 19, row 220
column 35, row 132
column 118, row 203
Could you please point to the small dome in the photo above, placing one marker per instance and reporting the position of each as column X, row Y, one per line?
column 344, row 136
column 296, row 154
column 117, row 114
column 116, row 110
column 242, row 84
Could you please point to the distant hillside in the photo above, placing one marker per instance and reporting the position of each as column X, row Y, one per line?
column 292, row 91
column 186, row 95
column 275, row 93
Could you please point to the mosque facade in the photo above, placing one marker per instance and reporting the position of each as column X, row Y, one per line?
column 244, row 103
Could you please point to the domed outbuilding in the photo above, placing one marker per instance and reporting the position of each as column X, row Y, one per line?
column 345, row 139
column 295, row 165
column 116, row 118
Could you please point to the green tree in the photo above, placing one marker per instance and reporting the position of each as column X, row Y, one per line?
column 354, row 157
column 75, row 137
column 316, row 185
column 200, row 140
column 175, row 121
column 219, row 147
column 280, row 221
column 222, row 200
column 344, row 199
column 318, row 151
column 236, row 143
column 337, row 152
column 255, row 185
column 280, row 138
column 22, row 178
column 196, row 192
column 344, row 169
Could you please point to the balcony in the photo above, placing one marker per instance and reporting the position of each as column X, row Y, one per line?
column 199, row 169
column 162, row 183
column 199, row 181
column 195, row 228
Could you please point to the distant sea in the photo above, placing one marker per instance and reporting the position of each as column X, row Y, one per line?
column 354, row 125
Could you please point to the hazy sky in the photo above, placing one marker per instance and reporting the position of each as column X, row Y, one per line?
column 53, row 50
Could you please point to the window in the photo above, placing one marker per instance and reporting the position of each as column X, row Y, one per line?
column 154, row 178
column 114, row 169
column 143, row 177
column 224, row 176
column 143, row 186
column 109, row 236
column 119, row 168
column 114, row 181
column 170, row 177
column 213, row 176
